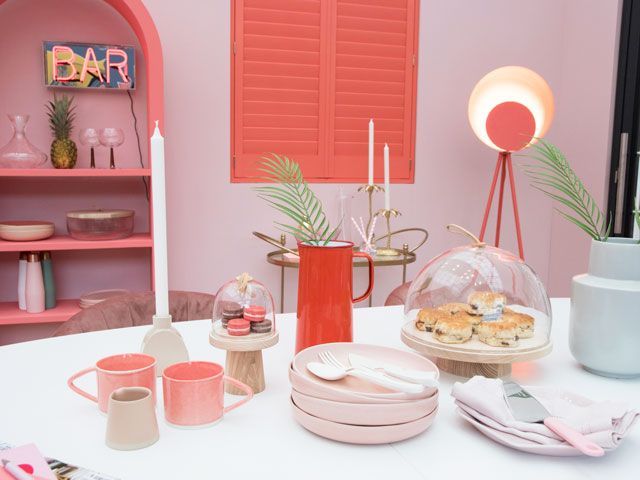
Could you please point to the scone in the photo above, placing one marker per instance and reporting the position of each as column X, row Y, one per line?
column 486, row 303
column 525, row 323
column 455, row 308
column 474, row 320
column 500, row 333
column 452, row 330
column 427, row 318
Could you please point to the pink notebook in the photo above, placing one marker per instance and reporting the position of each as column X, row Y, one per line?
column 31, row 461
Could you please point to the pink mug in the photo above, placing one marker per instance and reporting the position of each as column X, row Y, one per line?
column 117, row 371
column 194, row 393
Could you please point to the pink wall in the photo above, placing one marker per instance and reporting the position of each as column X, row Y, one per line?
column 459, row 43
column 569, row 42
column 584, row 115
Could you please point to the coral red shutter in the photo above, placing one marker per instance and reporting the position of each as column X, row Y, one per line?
column 374, row 78
column 308, row 74
column 277, row 84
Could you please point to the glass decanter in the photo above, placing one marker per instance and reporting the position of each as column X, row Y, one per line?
column 20, row 152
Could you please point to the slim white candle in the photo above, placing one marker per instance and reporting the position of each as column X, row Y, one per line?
column 159, row 223
column 371, row 152
column 387, row 194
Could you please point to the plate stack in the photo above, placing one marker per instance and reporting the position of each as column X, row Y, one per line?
column 354, row 410
column 93, row 298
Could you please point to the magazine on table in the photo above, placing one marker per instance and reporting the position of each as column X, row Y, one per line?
column 67, row 471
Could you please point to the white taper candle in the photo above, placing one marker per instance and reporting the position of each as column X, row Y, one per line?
column 159, row 211
column 371, row 152
column 387, row 193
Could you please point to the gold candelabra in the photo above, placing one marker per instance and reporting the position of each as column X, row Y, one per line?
column 370, row 190
column 388, row 251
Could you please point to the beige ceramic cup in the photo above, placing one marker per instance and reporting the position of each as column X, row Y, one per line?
column 131, row 419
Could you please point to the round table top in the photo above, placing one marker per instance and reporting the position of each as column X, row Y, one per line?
column 284, row 260
column 262, row 440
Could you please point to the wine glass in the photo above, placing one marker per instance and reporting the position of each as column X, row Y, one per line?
column 89, row 138
column 111, row 137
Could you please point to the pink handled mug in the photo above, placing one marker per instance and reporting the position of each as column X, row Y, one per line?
column 194, row 393
column 117, row 371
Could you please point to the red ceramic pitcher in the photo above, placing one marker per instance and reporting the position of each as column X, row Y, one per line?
column 325, row 293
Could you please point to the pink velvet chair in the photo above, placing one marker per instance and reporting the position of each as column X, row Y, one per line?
column 398, row 295
column 135, row 309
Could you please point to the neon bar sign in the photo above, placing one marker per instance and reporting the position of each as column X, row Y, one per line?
column 88, row 65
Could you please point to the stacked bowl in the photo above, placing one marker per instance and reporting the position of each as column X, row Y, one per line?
column 355, row 410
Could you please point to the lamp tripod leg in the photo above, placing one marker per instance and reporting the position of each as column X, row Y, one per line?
column 487, row 209
column 516, row 215
column 503, row 172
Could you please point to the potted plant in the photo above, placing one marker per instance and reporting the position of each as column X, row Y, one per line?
column 325, row 277
column 604, row 333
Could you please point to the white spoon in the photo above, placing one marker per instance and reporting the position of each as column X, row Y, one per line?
column 329, row 372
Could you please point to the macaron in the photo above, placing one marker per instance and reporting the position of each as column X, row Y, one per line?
column 254, row 313
column 261, row 327
column 232, row 310
column 238, row 327
column 225, row 322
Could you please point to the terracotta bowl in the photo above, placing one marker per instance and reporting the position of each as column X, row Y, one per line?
column 363, row 435
column 375, row 414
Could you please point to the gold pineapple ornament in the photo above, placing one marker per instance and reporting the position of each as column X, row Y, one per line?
column 64, row 152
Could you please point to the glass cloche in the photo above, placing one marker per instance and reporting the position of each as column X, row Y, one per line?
column 243, row 308
column 478, row 298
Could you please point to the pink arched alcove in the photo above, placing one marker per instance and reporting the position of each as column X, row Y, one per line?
column 136, row 15
column 49, row 194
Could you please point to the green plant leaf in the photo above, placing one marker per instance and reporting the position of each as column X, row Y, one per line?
column 290, row 195
column 553, row 175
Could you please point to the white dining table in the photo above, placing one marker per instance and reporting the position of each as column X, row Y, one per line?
column 262, row 440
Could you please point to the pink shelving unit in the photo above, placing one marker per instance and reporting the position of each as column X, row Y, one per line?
column 10, row 314
column 136, row 15
column 75, row 172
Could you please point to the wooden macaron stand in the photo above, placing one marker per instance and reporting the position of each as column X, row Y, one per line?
column 244, row 356
column 244, row 352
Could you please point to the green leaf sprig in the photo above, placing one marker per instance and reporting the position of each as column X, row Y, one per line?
column 291, row 195
column 553, row 176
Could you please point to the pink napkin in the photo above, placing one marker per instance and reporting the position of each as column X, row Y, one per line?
column 605, row 423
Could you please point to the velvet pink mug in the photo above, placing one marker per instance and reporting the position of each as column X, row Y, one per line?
column 117, row 371
column 194, row 393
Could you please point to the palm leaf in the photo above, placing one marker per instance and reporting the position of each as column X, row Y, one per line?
column 290, row 195
column 554, row 177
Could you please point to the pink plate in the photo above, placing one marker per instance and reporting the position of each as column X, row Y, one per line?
column 529, row 446
column 363, row 435
column 311, row 388
column 365, row 414
column 350, row 387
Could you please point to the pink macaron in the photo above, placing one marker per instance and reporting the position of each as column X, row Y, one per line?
column 238, row 327
column 254, row 313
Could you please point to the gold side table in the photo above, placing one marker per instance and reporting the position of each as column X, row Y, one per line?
column 405, row 257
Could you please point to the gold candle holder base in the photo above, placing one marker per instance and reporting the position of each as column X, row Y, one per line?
column 388, row 250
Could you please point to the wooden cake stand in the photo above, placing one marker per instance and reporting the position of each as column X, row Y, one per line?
column 474, row 357
column 244, row 356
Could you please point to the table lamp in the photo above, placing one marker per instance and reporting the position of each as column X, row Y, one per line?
column 509, row 109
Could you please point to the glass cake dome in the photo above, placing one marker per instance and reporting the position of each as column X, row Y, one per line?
column 478, row 297
column 243, row 308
